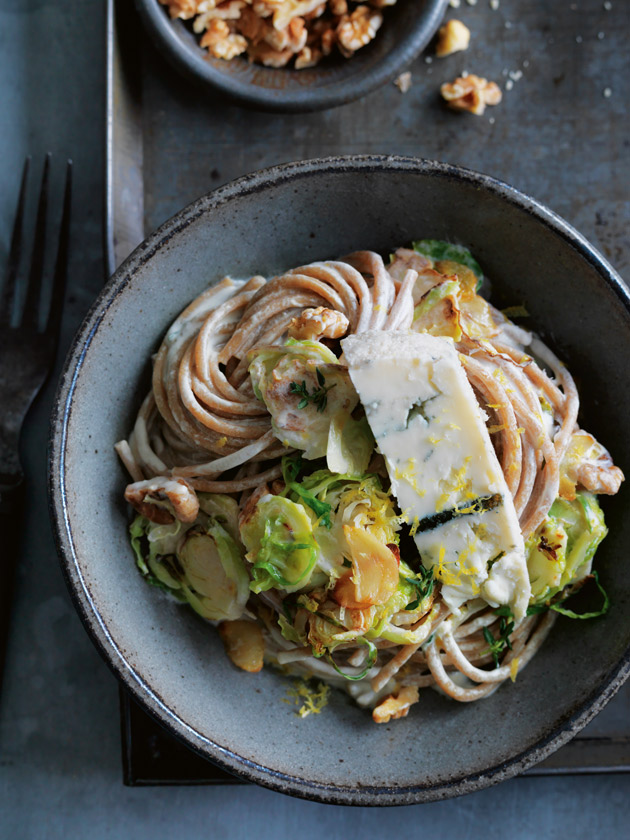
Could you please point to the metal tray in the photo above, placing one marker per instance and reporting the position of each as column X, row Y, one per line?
column 169, row 142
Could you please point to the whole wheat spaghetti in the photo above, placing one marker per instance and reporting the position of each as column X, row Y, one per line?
column 268, row 500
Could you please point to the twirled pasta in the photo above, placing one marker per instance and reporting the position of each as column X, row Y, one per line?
column 203, row 425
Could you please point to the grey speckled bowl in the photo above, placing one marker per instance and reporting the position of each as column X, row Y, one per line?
column 407, row 29
column 172, row 661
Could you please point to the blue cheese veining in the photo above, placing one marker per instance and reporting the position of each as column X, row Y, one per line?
column 442, row 465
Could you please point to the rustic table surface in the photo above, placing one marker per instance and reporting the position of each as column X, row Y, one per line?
column 560, row 134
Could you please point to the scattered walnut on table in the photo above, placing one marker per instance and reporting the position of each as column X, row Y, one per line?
column 471, row 93
column 453, row 37
column 403, row 82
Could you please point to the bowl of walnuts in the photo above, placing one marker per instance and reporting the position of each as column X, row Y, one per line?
column 291, row 55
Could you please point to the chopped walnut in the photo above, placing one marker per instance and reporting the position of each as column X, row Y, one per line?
column 225, row 11
column 251, row 25
column 293, row 8
column 318, row 11
column 590, row 465
column 163, row 499
column 471, row 93
column 600, row 478
column 184, row 9
column 307, row 57
column 453, row 37
column 263, row 9
column 338, row 7
column 314, row 324
column 222, row 42
column 297, row 34
column 273, row 32
column 403, row 82
column 396, row 705
column 264, row 54
column 328, row 41
column 357, row 29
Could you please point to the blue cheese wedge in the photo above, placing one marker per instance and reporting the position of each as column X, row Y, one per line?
column 443, row 468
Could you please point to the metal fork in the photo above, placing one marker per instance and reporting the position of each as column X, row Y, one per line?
column 27, row 353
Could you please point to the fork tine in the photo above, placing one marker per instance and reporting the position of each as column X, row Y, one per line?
column 8, row 294
column 61, row 265
column 31, row 306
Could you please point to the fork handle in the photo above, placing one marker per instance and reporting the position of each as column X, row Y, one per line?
column 11, row 508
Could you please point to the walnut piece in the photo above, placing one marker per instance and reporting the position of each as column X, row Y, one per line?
column 318, row 323
column 275, row 32
column 289, row 9
column 357, row 29
column 396, row 705
column 307, row 57
column 266, row 55
column 184, row 9
column 471, row 93
column 403, row 82
column 224, row 11
column 163, row 499
column 221, row 41
column 453, row 37
column 338, row 7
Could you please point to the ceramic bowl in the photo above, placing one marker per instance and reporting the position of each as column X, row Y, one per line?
column 407, row 29
column 172, row 661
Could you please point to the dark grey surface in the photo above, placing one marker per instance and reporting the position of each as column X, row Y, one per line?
column 59, row 738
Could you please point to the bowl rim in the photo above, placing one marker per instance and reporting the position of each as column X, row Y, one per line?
column 149, row 697
column 164, row 36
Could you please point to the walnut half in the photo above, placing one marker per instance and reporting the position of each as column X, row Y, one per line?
column 314, row 324
column 471, row 93
column 357, row 29
column 453, row 37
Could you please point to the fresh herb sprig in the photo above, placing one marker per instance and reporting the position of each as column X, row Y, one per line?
column 424, row 587
column 318, row 396
column 497, row 646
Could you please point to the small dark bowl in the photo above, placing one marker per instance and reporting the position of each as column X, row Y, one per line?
column 407, row 29
column 172, row 661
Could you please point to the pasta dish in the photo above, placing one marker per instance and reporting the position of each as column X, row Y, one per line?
column 366, row 474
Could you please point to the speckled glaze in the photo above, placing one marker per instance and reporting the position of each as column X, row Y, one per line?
column 407, row 29
column 170, row 659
